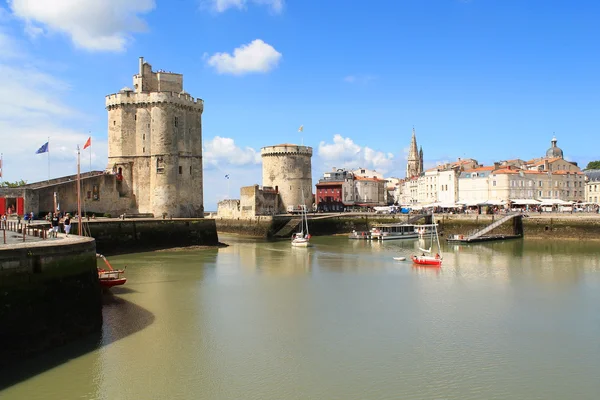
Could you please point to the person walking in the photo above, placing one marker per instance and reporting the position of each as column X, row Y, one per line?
column 55, row 225
column 67, row 224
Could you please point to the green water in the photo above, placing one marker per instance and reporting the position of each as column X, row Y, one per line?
column 341, row 320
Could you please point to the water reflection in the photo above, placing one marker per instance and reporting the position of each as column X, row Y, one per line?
column 262, row 320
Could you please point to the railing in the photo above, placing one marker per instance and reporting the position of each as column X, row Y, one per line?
column 492, row 226
column 24, row 229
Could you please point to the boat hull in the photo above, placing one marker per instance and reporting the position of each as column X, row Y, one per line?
column 426, row 260
column 300, row 243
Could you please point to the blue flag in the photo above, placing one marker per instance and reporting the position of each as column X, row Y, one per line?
column 42, row 149
column 227, row 176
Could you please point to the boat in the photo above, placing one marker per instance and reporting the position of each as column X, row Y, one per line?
column 302, row 237
column 110, row 277
column 400, row 258
column 427, row 258
column 361, row 235
column 394, row 231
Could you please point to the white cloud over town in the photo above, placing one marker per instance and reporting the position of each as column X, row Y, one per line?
column 345, row 153
column 255, row 57
column 219, row 6
column 93, row 25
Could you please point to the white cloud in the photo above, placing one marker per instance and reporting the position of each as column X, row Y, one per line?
column 255, row 57
column 221, row 152
column 93, row 25
column 344, row 153
column 223, row 5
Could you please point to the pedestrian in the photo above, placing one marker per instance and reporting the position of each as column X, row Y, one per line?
column 54, row 225
column 67, row 224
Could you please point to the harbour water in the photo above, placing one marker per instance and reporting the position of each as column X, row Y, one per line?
column 341, row 320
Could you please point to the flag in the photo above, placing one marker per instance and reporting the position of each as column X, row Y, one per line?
column 301, row 129
column 227, row 176
column 43, row 149
column 88, row 143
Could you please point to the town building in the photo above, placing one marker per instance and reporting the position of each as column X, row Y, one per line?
column 335, row 191
column 592, row 185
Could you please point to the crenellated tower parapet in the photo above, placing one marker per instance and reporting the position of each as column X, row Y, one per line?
column 155, row 140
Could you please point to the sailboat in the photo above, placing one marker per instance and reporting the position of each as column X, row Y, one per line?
column 426, row 257
column 302, row 237
column 108, row 277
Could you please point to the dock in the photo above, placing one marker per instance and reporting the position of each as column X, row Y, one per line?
column 484, row 235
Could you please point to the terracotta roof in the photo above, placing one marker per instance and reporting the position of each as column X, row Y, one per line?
column 563, row 172
column 364, row 178
column 480, row 169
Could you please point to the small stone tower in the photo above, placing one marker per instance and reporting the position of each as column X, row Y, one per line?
column 287, row 168
column 414, row 166
column 554, row 151
column 155, row 144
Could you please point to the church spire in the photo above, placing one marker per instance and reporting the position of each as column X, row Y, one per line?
column 412, row 167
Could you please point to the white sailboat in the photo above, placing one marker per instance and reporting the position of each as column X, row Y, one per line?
column 302, row 237
column 426, row 257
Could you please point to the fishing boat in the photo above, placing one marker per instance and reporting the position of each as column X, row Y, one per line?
column 110, row 277
column 427, row 258
column 302, row 237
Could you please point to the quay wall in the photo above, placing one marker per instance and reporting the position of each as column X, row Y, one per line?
column 135, row 235
column 583, row 226
column 49, row 295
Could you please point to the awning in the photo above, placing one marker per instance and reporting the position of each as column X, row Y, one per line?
column 552, row 202
column 525, row 202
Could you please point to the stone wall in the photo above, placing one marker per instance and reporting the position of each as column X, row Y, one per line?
column 229, row 209
column 258, row 227
column 49, row 295
column 129, row 236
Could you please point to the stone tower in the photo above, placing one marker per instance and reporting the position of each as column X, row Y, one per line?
column 155, row 144
column 287, row 167
column 414, row 166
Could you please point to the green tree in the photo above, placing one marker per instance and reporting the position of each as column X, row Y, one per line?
column 13, row 184
column 593, row 165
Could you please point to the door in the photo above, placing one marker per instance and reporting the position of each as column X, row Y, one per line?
column 2, row 206
column 20, row 206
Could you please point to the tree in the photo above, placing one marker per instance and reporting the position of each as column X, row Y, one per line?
column 13, row 184
column 593, row 165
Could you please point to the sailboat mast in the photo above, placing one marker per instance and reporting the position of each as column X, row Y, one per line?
column 78, row 193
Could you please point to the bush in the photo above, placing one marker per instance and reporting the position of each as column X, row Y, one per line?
column 107, row 215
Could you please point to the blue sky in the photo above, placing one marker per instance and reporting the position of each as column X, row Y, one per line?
column 490, row 80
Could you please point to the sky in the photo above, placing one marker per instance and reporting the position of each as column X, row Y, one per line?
column 485, row 79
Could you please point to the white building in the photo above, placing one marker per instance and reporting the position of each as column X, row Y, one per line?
column 592, row 185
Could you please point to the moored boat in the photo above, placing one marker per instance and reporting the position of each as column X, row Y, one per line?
column 110, row 277
column 427, row 258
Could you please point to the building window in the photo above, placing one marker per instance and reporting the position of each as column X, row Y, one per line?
column 160, row 165
column 493, row 183
column 180, row 170
column 95, row 193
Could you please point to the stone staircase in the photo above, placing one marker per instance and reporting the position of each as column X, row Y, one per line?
column 288, row 228
column 491, row 227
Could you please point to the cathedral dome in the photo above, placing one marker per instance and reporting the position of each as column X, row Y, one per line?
column 554, row 151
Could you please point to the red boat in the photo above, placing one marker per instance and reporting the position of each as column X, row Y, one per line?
column 110, row 277
column 428, row 260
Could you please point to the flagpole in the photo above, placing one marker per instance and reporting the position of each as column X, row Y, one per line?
column 48, row 158
column 78, row 195
column 90, row 151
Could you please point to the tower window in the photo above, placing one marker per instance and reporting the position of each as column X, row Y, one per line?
column 144, row 136
column 190, row 169
column 180, row 170
column 176, row 121
column 135, row 117
column 160, row 165
column 143, row 149
column 114, row 123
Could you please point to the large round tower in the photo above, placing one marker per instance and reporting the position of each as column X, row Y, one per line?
column 155, row 144
column 287, row 167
